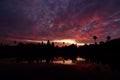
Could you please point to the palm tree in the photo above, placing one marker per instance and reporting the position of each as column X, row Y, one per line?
column 95, row 37
column 108, row 38
column 63, row 43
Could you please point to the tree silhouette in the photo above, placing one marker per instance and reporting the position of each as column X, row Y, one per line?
column 95, row 37
column 63, row 44
column 108, row 38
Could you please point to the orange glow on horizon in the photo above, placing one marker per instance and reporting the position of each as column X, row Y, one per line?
column 60, row 43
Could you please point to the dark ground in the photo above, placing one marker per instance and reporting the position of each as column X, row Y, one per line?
column 34, row 71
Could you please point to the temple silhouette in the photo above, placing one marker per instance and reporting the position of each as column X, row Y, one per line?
column 103, row 52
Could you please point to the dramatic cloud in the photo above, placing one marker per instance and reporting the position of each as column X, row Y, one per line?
column 57, row 20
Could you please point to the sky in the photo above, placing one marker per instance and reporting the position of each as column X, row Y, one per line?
column 69, row 21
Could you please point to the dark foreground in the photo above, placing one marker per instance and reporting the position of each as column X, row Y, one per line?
column 36, row 71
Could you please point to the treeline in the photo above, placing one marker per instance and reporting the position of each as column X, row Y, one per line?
column 104, row 52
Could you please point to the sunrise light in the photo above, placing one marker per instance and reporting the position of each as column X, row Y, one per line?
column 68, row 41
column 65, row 41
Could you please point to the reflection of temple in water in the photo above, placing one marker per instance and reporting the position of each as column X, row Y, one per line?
column 79, row 59
column 61, row 60
column 56, row 60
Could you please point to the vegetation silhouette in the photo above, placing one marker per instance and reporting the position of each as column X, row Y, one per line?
column 95, row 37
column 104, row 52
